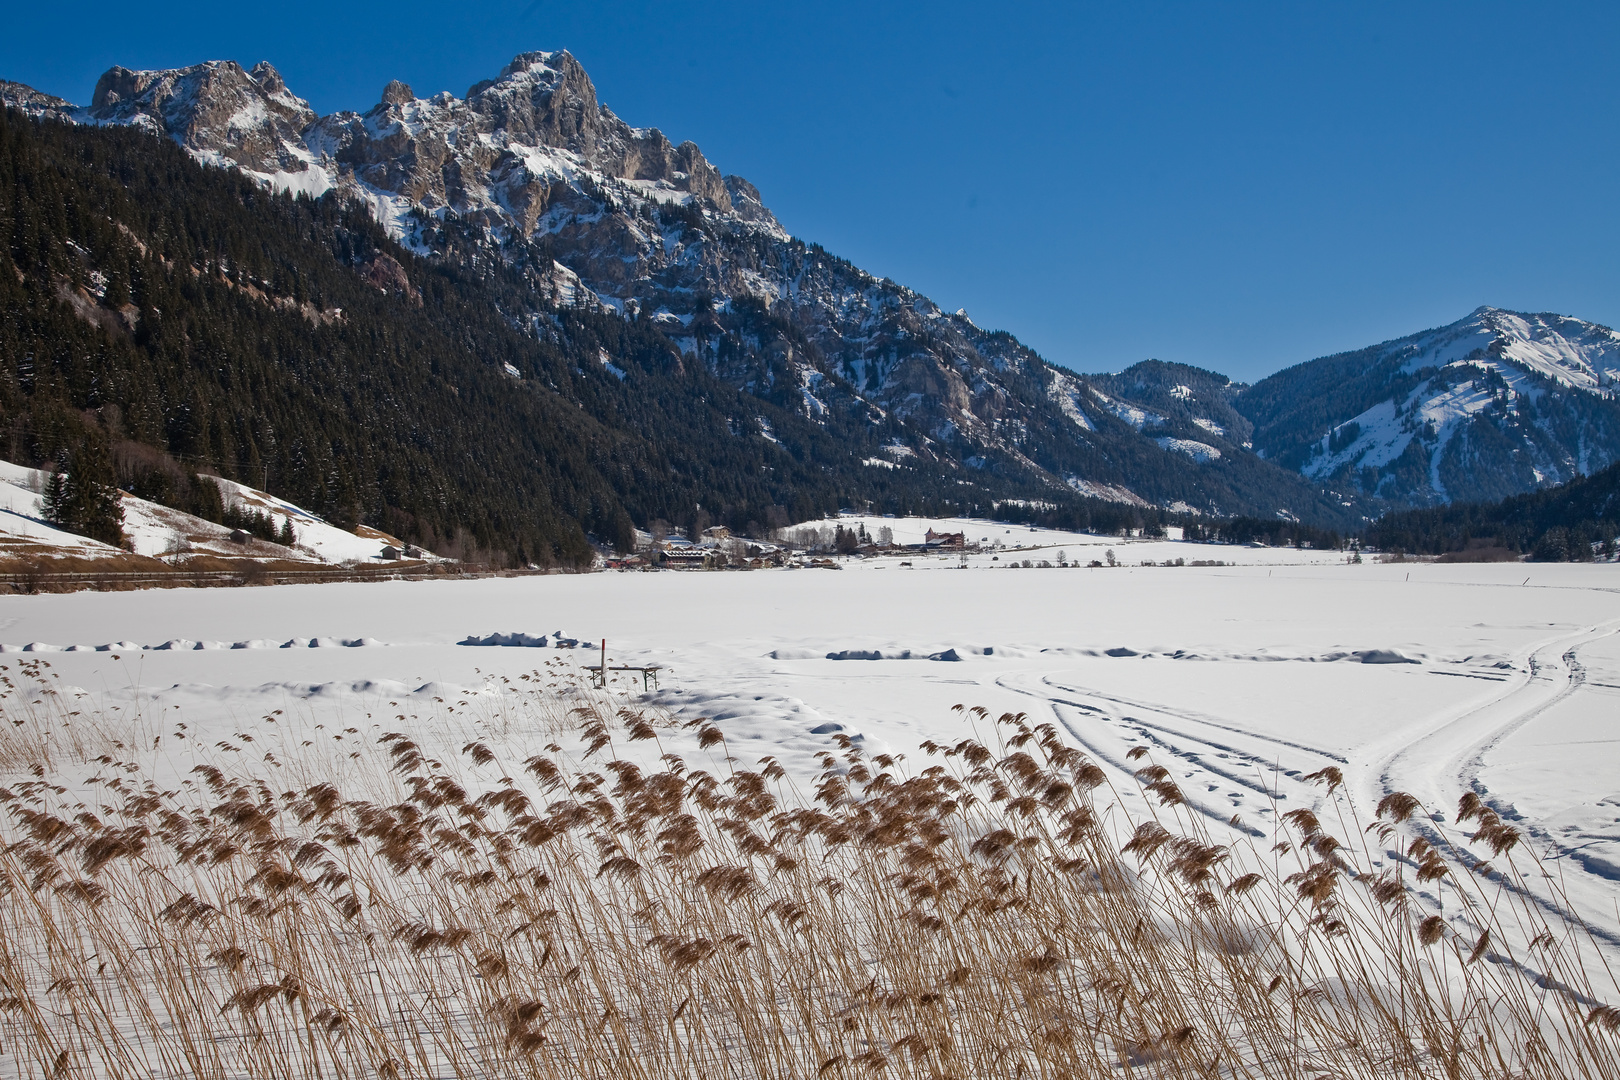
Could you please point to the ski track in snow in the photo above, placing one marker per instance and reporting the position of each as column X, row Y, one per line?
column 1442, row 762
column 1448, row 760
column 1233, row 762
column 1259, row 774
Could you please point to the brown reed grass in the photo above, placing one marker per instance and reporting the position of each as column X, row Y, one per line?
column 620, row 913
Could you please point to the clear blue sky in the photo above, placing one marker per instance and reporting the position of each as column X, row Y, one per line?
column 1237, row 186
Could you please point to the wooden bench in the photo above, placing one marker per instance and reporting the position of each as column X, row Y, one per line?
column 649, row 674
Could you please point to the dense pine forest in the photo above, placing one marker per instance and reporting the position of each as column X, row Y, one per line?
column 180, row 319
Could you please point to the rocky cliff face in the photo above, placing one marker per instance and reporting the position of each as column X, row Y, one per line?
column 31, row 101
column 216, row 110
column 515, row 147
column 539, row 170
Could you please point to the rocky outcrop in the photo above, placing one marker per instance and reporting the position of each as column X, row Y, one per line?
column 747, row 205
column 385, row 272
column 18, row 96
column 506, row 146
column 249, row 119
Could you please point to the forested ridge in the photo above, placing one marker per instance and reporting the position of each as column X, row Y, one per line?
column 155, row 305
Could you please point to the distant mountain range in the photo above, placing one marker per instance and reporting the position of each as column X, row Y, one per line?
column 530, row 180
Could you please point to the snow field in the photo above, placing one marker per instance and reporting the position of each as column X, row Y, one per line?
column 1239, row 682
column 1262, row 657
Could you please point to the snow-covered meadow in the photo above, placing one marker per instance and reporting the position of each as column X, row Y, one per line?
column 1241, row 681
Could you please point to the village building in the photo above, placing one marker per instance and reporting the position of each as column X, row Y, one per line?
column 688, row 557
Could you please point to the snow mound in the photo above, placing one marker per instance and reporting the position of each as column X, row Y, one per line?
column 519, row 640
column 1383, row 656
column 187, row 645
column 949, row 655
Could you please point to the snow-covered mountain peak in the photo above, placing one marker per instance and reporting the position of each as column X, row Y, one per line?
column 539, row 64
column 1493, row 404
column 221, row 113
column 532, row 140
column 270, row 80
column 214, row 103
column 43, row 106
column 1574, row 353
column 397, row 93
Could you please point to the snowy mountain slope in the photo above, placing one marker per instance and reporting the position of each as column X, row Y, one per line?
column 1196, row 402
column 1191, row 413
column 316, row 538
column 45, row 106
column 1572, row 353
column 23, row 529
column 1492, row 405
column 532, row 165
column 161, row 532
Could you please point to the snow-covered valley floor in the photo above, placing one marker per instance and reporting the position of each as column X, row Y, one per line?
column 1500, row 679
column 1249, row 675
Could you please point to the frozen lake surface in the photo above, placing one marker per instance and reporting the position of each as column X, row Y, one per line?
column 1502, row 679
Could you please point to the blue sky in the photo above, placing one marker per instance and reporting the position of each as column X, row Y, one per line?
column 1236, row 186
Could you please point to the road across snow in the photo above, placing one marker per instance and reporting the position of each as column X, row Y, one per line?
column 1502, row 679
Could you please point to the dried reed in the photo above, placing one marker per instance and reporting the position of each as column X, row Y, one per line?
column 619, row 913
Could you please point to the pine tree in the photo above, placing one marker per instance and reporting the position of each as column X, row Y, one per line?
column 82, row 496
column 98, row 509
column 56, row 493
